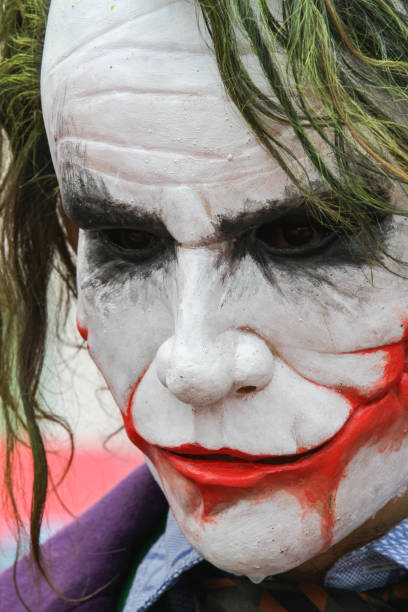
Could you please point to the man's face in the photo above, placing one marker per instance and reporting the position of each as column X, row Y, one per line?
column 257, row 361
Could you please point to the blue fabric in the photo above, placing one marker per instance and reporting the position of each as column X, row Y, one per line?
column 169, row 557
column 379, row 563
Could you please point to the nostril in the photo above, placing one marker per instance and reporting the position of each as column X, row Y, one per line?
column 245, row 390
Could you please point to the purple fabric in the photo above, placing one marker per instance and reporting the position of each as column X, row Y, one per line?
column 96, row 549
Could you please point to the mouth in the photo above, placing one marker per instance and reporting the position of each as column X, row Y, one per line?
column 229, row 467
column 195, row 451
column 225, row 467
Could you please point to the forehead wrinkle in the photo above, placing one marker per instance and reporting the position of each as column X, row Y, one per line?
column 71, row 144
column 118, row 91
column 133, row 66
column 181, row 183
column 115, row 27
column 175, row 49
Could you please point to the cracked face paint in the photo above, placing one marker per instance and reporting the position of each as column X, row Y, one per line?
column 265, row 385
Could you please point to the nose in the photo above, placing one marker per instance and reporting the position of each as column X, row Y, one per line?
column 207, row 359
column 205, row 372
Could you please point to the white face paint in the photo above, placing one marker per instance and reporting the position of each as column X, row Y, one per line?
column 267, row 390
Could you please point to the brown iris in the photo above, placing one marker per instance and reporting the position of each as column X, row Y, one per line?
column 292, row 235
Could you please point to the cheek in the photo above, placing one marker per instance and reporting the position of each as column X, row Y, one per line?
column 336, row 309
column 362, row 375
column 123, row 324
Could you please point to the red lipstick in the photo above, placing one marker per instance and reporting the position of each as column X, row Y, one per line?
column 231, row 468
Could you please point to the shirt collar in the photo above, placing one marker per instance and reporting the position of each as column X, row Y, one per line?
column 375, row 565
column 169, row 557
column 381, row 562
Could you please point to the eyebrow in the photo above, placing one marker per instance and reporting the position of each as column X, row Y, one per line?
column 269, row 211
column 88, row 203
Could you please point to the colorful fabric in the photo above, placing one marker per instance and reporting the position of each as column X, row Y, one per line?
column 376, row 565
column 222, row 594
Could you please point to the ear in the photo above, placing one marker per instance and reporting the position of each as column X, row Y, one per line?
column 70, row 229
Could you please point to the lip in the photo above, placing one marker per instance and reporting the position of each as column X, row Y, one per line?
column 197, row 451
column 367, row 424
column 231, row 468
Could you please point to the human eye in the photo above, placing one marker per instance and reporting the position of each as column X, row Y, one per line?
column 132, row 244
column 295, row 234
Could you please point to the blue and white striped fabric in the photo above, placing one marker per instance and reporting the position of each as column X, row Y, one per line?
column 381, row 562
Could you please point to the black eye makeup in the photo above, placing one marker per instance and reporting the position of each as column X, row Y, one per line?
column 291, row 237
column 132, row 244
column 284, row 232
column 295, row 234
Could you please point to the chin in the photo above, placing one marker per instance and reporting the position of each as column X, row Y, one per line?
column 255, row 539
column 256, row 536
column 273, row 528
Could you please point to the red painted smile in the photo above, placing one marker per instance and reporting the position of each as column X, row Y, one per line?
column 235, row 469
column 228, row 467
column 222, row 477
column 225, row 467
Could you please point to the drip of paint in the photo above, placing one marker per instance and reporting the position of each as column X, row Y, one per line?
column 83, row 331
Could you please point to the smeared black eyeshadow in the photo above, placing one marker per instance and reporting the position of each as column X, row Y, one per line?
column 242, row 229
column 244, row 222
column 344, row 249
column 110, row 269
column 90, row 206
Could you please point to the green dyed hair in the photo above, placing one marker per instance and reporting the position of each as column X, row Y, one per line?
column 344, row 84
column 32, row 244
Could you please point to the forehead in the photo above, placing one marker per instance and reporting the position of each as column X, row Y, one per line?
column 132, row 92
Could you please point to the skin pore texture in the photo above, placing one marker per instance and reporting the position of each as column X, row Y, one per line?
column 266, row 387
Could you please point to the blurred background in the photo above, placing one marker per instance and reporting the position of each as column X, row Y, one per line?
column 74, row 389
